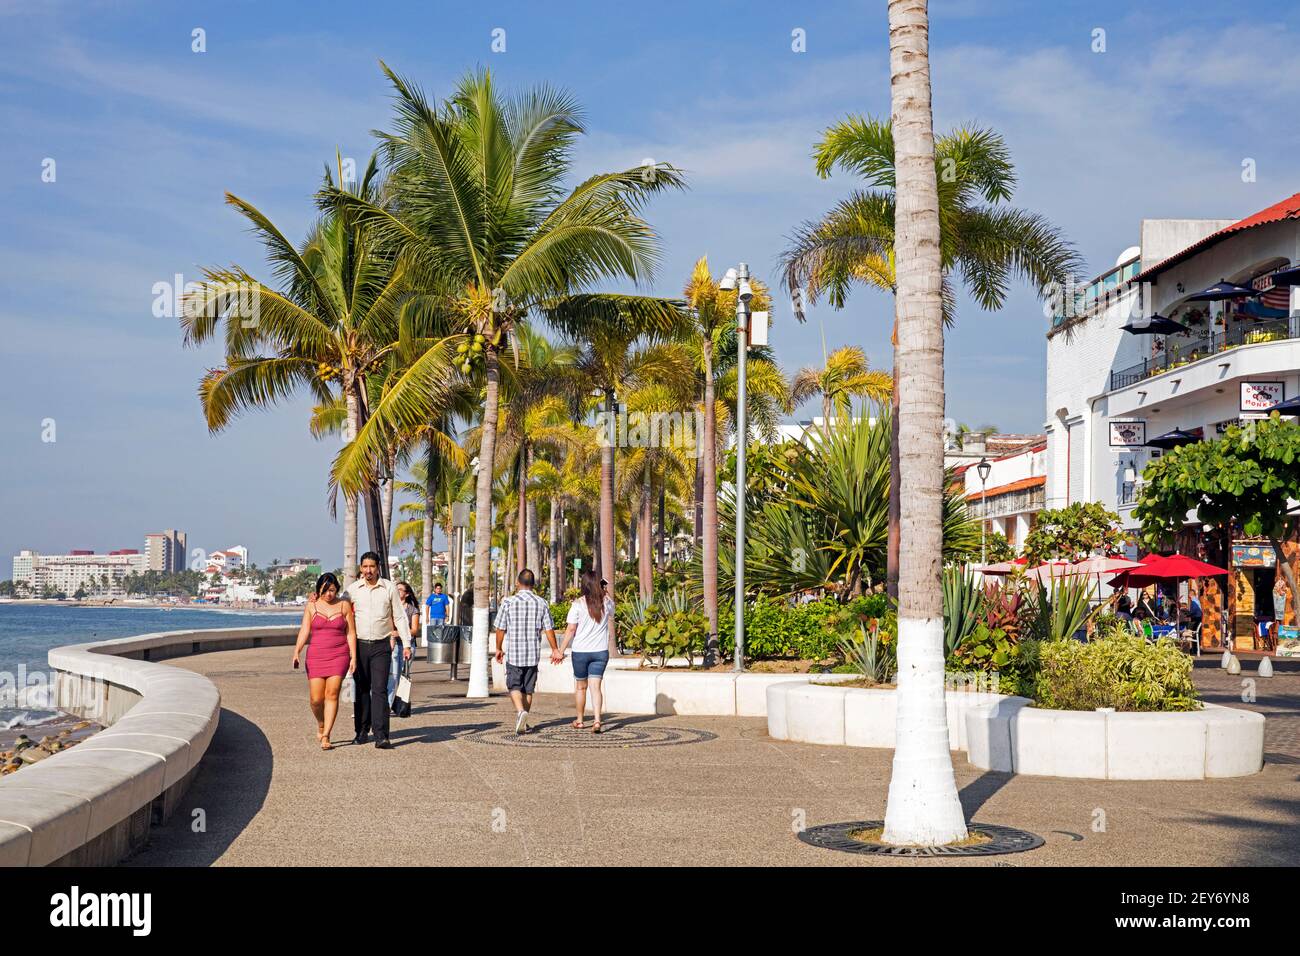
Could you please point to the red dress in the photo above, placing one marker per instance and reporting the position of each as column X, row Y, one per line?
column 327, row 648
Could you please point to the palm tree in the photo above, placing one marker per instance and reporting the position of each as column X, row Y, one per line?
column 479, row 206
column 847, row 375
column 923, row 807
column 328, row 327
column 987, row 241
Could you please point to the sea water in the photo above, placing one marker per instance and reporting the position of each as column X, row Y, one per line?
column 28, row 631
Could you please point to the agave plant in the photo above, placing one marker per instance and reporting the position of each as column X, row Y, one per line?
column 962, row 605
column 873, row 657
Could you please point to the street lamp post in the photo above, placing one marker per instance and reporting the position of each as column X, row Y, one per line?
column 984, row 468
column 738, row 279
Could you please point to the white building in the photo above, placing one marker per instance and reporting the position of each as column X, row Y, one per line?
column 97, row 574
column 1014, row 491
column 1110, row 391
column 223, row 562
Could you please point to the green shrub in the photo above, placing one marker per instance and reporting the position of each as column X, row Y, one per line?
column 775, row 629
column 1120, row 671
column 661, row 636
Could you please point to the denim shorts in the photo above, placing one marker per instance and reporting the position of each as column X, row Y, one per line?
column 589, row 664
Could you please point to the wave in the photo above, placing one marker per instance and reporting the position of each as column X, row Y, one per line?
column 27, row 718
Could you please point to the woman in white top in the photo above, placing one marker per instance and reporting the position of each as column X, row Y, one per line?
column 590, row 631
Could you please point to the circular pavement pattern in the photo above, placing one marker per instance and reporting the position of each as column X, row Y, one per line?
column 835, row 836
column 612, row 737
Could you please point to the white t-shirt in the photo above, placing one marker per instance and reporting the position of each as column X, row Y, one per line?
column 591, row 636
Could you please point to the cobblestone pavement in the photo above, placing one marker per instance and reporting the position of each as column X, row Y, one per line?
column 1276, row 697
column 709, row 791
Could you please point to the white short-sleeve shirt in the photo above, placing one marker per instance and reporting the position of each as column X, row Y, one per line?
column 591, row 636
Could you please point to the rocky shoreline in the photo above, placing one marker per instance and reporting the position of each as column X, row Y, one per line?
column 18, row 749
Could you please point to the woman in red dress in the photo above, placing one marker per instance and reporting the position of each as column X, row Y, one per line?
column 329, row 630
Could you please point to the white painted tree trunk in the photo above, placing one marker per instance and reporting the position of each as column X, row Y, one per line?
column 478, row 665
column 923, row 806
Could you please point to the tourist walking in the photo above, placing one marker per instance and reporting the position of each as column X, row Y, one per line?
column 378, row 612
column 412, row 608
column 521, row 620
column 330, row 633
column 589, row 630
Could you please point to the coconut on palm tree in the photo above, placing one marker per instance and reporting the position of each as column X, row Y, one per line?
column 479, row 207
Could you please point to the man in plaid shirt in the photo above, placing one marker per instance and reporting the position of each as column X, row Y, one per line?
column 521, row 619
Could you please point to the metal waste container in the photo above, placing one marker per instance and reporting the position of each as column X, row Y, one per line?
column 449, row 644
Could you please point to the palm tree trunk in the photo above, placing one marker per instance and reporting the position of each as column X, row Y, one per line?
column 644, row 567
column 699, row 501
column 387, row 507
column 659, row 531
column 923, row 807
column 521, row 528
column 426, row 535
column 534, row 527
column 561, row 572
column 478, row 668
column 553, row 549
column 826, row 412
column 607, row 499
column 710, row 544
column 350, row 501
column 895, row 490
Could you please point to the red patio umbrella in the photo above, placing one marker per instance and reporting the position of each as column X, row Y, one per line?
column 1175, row 567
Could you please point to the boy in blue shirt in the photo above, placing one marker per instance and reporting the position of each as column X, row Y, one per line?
column 437, row 604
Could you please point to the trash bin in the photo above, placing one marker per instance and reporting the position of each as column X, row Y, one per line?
column 443, row 644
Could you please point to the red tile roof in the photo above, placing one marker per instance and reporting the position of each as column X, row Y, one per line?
column 1288, row 208
column 1006, row 489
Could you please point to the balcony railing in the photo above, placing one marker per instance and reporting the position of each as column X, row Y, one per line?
column 1180, row 353
column 1011, row 503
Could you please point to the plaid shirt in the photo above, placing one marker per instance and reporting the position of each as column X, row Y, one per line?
column 523, row 616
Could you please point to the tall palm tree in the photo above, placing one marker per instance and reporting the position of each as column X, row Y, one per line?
column 479, row 204
column 923, row 807
column 329, row 326
column 981, row 237
column 847, row 375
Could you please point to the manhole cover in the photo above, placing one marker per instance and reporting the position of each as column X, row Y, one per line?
column 612, row 737
column 835, row 836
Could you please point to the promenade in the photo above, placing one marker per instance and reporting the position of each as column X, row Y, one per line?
column 457, row 790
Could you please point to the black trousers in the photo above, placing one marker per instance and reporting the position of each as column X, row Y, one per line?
column 370, row 707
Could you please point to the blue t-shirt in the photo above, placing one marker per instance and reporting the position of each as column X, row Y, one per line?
column 437, row 604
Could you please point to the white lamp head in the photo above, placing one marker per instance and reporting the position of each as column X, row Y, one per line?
column 746, row 293
column 728, row 282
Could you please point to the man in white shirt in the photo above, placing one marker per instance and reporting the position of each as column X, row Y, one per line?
column 378, row 612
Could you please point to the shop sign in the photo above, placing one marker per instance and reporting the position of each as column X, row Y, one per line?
column 1260, row 396
column 1252, row 554
column 1128, row 434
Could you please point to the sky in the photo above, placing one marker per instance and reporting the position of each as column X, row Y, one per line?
column 1151, row 117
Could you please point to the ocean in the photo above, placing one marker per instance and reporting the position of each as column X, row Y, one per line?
column 28, row 631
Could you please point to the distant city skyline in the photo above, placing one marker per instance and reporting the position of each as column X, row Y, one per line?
column 121, row 141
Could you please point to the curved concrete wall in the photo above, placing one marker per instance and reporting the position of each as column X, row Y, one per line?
column 92, row 804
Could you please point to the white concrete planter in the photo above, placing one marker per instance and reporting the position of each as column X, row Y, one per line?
column 853, row 716
column 1201, row 744
column 91, row 804
column 1007, row 734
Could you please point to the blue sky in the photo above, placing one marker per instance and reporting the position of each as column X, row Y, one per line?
column 147, row 136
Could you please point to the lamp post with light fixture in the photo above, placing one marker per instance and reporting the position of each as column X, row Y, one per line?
column 984, row 468
column 738, row 280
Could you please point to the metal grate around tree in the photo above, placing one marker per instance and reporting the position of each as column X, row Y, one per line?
column 836, row 836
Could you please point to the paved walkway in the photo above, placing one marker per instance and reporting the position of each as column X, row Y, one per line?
column 446, row 796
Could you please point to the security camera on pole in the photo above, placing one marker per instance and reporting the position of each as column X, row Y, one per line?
column 738, row 280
